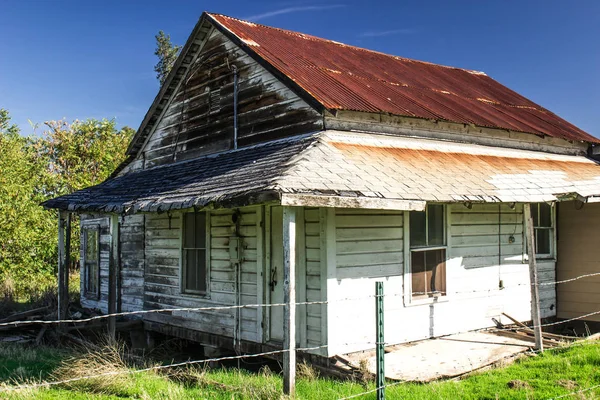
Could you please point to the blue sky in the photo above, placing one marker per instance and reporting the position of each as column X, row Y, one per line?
column 80, row 59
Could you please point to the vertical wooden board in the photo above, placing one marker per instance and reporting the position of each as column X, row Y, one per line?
column 260, row 269
column 289, row 298
column 577, row 254
column 325, row 295
column 301, row 277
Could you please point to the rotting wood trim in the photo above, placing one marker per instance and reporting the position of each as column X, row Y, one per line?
column 307, row 200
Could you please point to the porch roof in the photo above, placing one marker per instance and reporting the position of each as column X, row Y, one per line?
column 343, row 169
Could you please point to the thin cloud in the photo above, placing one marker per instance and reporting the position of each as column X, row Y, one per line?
column 388, row 33
column 290, row 10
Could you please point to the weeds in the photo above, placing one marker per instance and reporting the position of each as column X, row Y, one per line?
column 109, row 361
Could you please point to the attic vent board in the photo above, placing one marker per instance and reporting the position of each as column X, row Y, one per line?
column 214, row 101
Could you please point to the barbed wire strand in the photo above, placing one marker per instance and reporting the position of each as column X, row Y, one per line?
column 575, row 393
column 244, row 306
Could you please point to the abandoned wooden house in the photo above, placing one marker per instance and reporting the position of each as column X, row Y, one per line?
column 266, row 149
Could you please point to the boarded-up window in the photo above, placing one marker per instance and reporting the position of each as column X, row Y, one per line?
column 428, row 251
column 91, row 256
column 194, row 265
column 544, row 229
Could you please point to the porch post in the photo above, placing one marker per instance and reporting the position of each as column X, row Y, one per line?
column 289, row 298
column 67, row 263
column 533, row 278
column 61, row 265
column 113, row 274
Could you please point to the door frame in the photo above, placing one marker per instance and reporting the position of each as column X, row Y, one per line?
column 301, row 327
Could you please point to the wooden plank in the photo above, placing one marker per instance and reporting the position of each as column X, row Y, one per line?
column 61, row 264
column 289, row 284
column 113, row 275
column 301, row 276
column 535, row 303
column 350, row 202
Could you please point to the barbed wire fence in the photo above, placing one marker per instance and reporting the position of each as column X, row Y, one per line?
column 46, row 384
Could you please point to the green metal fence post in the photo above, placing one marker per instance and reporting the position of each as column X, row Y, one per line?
column 380, row 349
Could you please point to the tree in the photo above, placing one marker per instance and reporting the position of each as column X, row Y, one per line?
column 83, row 153
column 167, row 53
column 65, row 158
column 28, row 234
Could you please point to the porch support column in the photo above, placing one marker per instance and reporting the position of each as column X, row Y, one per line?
column 61, row 265
column 113, row 272
column 289, row 298
column 533, row 278
column 67, row 264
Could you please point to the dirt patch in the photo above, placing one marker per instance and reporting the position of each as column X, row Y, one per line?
column 517, row 384
column 568, row 384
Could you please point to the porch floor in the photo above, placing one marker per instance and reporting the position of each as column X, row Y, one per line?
column 444, row 357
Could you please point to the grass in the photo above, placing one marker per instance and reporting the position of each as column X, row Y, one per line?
column 551, row 374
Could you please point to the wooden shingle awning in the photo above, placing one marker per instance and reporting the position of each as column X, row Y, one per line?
column 350, row 170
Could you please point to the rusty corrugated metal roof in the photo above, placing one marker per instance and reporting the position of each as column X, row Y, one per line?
column 343, row 77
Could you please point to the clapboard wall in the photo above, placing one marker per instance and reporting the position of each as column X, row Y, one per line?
column 132, row 262
column 199, row 119
column 485, row 251
column 162, row 278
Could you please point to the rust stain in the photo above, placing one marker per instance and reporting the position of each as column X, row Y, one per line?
column 343, row 77
column 440, row 164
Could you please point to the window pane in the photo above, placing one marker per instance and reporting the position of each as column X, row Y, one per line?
column 189, row 226
column 435, row 264
column 191, row 270
column 417, row 265
column 435, row 223
column 545, row 215
column 195, row 273
column 534, row 214
column 91, row 244
column 417, row 228
column 200, row 230
column 542, row 241
column 201, row 272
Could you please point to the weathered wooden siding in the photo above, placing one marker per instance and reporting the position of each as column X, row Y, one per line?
column 104, row 224
column 312, row 240
column 132, row 260
column 162, row 283
column 578, row 241
column 199, row 119
column 369, row 247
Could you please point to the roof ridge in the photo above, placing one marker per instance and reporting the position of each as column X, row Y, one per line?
column 317, row 38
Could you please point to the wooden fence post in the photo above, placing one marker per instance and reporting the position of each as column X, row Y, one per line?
column 289, row 298
column 533, row 278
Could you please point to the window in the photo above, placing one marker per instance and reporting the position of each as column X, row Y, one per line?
column 544, row 229
column 428, row 251
column 194, row 263
column 91, row 243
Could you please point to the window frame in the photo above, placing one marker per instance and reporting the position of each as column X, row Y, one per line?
column 552, row 229
column 95, row 293
column 183, row 251
column 409, row 298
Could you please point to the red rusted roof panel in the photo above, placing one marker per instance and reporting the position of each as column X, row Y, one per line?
column 343, row 77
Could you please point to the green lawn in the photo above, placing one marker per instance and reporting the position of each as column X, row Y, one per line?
column 544, row 376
